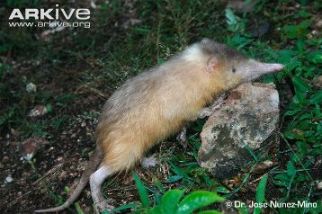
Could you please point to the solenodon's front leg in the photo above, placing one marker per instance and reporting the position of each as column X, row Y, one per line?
column 206, row 112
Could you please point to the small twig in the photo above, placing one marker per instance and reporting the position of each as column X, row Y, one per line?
column 132, row 187
column 96, row 91
column 19, row 198
column 257, row 179
column 50, row 172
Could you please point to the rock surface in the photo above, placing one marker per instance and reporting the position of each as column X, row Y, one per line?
column 242, row 125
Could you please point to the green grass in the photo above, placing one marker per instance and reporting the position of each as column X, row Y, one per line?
column 103, row 57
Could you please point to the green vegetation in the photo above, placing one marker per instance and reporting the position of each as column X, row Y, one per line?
column 172, row 202
column 76, row 68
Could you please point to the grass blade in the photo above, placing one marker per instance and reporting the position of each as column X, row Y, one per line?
column 142, row 191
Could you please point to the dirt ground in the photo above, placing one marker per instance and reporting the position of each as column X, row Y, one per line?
column 76, row 71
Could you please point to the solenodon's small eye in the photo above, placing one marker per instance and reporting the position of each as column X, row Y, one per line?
column 233, row 70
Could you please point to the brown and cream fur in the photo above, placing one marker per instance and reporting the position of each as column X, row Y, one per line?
column 157, row 103
column 139, row 113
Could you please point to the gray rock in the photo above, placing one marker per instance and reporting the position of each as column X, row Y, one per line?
column 242, row 126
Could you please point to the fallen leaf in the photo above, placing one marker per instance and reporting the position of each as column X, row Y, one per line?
column 38, row 110
column 30, row 146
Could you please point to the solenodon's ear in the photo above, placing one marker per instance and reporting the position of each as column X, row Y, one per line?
column 212, row 64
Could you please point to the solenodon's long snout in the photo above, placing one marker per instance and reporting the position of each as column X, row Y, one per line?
column 264, row 68
column 255, row 69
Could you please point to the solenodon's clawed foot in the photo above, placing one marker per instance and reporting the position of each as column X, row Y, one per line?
column 102, row 206
column 149, row 162
column 182, row 137
column 206, row 112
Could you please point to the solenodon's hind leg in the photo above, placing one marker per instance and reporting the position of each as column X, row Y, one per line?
column 96, row 181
